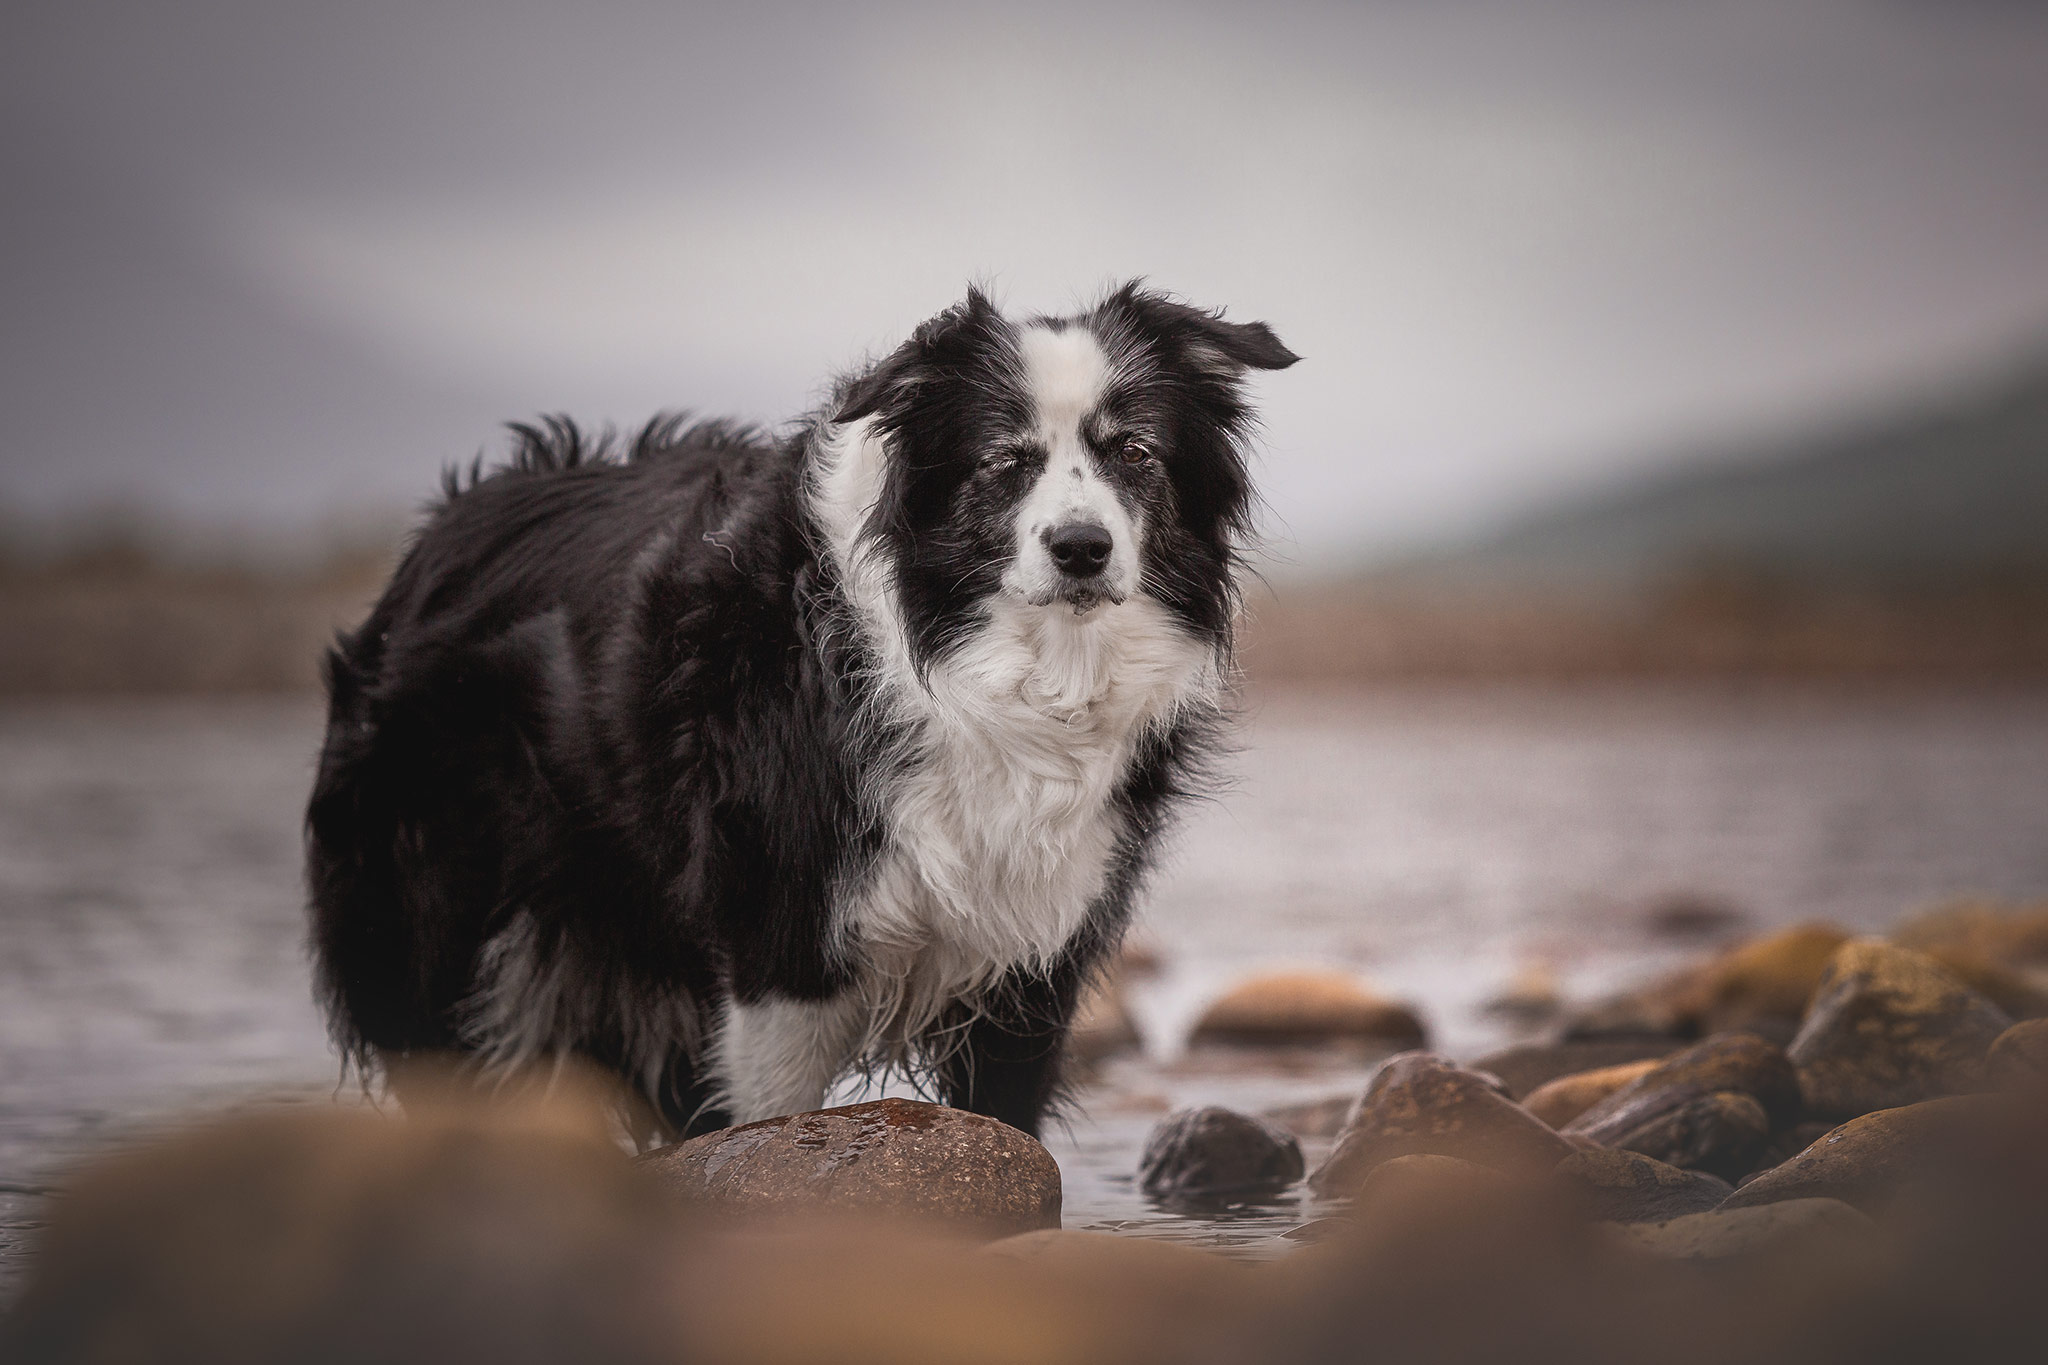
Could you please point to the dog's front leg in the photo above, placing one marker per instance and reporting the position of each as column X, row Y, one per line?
column 779, row 1056
column 1007, row 1061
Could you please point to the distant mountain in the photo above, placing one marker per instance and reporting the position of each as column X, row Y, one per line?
column 1954, row 492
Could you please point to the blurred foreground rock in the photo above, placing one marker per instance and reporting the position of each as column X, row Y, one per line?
column 1888, row 1027
column 1215, row 1153
column 1281, row 1008
column 520, row 1235
column 1805, row 1229
column 2019, row 1057
column 886, row 1157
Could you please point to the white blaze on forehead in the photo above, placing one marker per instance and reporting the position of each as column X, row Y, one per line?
column 1066, row 373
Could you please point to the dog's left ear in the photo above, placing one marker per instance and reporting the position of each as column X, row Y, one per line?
column 1230, row 347
column 937, row 342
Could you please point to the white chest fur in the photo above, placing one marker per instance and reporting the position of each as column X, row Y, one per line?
column 1002, row 824
column 1000, row 819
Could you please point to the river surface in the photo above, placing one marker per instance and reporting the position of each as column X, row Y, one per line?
column 1437, row 842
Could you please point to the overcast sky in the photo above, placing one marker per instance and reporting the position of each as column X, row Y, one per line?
column 267, row 264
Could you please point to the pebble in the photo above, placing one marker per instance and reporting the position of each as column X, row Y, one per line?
column 1741, row 1063
column 1214, row 1153
column 2013, row 934
column 1888, row 1027
column 1422, row 1104
column 1628, row 1187
column 1307, row 1007
column 1761, row 986
column 1525, row 1067
column 1557, row 1102
column 891, row 1156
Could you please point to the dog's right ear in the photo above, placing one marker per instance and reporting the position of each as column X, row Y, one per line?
column 938, row 344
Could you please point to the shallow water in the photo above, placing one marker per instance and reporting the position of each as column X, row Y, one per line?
column 1436, row 841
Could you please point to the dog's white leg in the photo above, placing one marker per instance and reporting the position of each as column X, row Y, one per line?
column 779, row 1056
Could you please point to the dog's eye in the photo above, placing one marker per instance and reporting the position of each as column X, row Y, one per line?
column 1135, row 450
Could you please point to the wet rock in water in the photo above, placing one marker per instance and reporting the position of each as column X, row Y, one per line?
column 1307, row 1007
column 1671, row 1112
column 1648, row 1013
column 1215, row 1153
column 2019, row 1057
column 1799, row 1229
column 890, row 1156
column 1764, row 986
column 2019, row 994
column 1724, row 1134
column 1628, row 1187
column 1758, row 987
column 1866, row 1161
column 1421, row 1104
column 1526, row 1066
column 1530, row 997
column 2016, row 935
column 1102, row 1025
column 1557, row 1102
column 1324, row 1118
column 1888, row 1028
column 1687, row 916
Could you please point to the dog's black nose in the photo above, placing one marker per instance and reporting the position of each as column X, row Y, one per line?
column 1080, row 548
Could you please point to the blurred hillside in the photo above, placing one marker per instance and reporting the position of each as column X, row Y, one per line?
column 1950, row 493
column 1913, row 545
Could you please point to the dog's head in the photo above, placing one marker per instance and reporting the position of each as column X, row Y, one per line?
column 1069, row 464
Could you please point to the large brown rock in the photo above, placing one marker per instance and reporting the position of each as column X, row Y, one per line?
column 1797, row 1231
column 2018, row 1060
column 1764, row 986
column 1709, row 1108
column 892, row 1157
column 1628, row 1187
column 1216, row 1153
column 2022, row 994
column 1868, row 1160
column 1888, row 1027
column 1307, row 1007
column 1526, row 1066
column 1758, row 987
column 1557, row 1102
column 1422, row 1104
column 2016, row 935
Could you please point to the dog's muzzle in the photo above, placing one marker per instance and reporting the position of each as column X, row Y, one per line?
column 1080, row 551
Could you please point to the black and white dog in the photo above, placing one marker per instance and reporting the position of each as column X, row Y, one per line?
column 733, row 764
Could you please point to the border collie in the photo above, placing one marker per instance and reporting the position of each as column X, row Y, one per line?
column 734, row 764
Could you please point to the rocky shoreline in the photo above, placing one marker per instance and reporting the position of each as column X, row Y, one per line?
column 1807, row 1147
